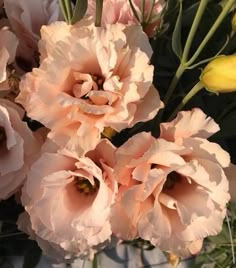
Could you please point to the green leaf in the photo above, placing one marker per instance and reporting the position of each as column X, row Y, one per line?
column 79, row 10
column 176, row 38
column 32, row 256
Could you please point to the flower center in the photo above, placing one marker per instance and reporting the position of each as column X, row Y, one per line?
column 171, row 180
column 84, row 186
column 3, row 136
column 99, row 80
column 85, row 84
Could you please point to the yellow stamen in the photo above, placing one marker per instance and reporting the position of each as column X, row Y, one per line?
column 173, row 260
column 83, row 185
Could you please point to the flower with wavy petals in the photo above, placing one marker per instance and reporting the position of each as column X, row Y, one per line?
column 68, row 201
column 90, row 78
column 173, row 189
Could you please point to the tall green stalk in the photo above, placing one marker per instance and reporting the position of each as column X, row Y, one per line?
column 186, row 99
column 193, row 30
column 214, row 27
column 98, row 19
column 182, row 67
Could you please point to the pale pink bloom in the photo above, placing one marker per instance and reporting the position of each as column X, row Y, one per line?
column 90, row 78
column 173, row 189
column 8, row 45
column 18, row 148
column 120, row 11
column 68, row 200
column 26, row 18
column 231, row 176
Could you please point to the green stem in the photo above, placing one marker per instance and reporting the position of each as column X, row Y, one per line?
column 231, row 237
column 143, row 11
column 95, row 262
column 134, row 11
column 99, row 4
column 152, row 3
column 174, row 82
column 69, row 9
column 183, row 65
column 209, row 59
column 186, row 99
column 64, row 11
column 214, row 27
column 196, row 21
column 11, row 234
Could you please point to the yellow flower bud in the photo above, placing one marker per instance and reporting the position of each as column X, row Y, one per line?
column 219, row 75
column 233, row 22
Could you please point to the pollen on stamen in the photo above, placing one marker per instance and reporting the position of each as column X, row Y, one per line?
column 84, row 186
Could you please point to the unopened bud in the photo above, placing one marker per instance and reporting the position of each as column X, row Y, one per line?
column 219, row 75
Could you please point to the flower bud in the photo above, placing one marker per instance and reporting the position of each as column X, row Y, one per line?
column 233, row 22
column 219, row 75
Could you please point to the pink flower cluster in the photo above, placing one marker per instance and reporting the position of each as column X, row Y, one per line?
column 171, row 191
column 79, row 191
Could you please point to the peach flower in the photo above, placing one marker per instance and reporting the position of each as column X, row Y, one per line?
column 173, row 189
column 90, row 78
column 19, row 147
column 8, row 45
column 26, row 18
column 68, row 200
column 120, row 11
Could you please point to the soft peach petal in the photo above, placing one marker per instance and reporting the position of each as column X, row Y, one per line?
column 129, row 151
column 189, row 124
column 50, row 35
column 19, row 148
column 8, row 45
column 149, row 106
column 204, row 149
column 8, row 41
